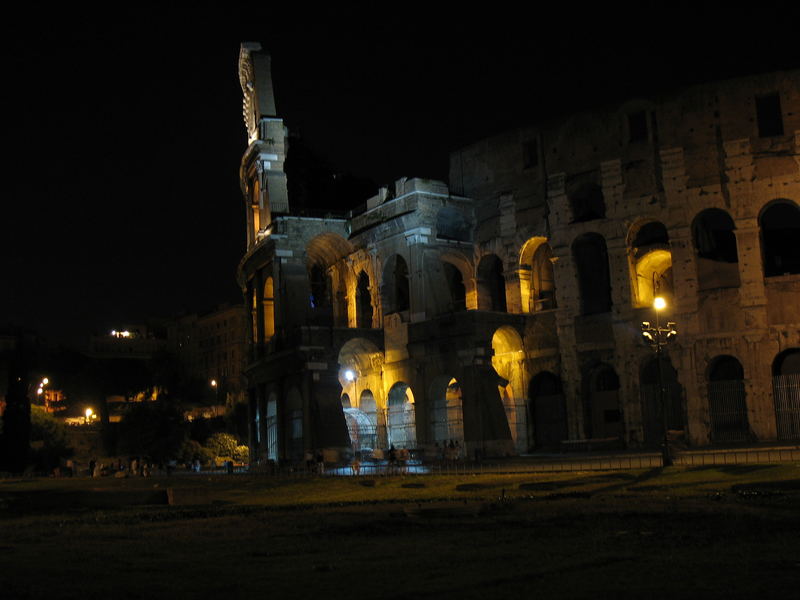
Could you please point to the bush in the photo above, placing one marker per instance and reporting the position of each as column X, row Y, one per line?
column 191, row 450
column 222, row 444
column 49, row 445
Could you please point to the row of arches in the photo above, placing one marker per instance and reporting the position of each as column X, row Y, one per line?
column 539, row 419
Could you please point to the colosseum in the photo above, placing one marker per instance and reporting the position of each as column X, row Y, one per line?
column 508, row 311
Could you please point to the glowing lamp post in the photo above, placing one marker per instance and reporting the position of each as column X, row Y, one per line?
column 658, row 337
column 88, row 413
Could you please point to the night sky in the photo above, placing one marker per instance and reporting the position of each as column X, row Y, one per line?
column 126, row 129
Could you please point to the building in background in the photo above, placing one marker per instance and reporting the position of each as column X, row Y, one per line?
column 503, row 313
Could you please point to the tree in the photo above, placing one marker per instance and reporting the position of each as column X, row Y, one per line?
column 154, row 429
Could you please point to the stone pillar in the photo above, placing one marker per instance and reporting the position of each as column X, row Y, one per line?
column 514, row 301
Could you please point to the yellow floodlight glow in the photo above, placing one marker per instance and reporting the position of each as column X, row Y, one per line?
column 213, row 383
column 89, row 412
column 659, row 303
column 45, row 381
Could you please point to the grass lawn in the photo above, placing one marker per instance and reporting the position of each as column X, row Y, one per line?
column 710, row 532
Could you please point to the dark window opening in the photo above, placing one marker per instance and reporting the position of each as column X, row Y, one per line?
column 637, row 126
column 451, row 224
column 780, row 230
column 653, row 233
column 713, row 236
column 768, row 115
column 726, row 368
column 591, row 262
column 587, row 203
column 492, row 284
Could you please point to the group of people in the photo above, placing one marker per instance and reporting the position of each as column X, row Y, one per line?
column 448, row 451
column 135, row 467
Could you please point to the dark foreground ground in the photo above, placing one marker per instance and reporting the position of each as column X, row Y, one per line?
column 702, row 532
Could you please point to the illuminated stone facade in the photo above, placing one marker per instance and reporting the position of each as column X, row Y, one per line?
column 503, row 313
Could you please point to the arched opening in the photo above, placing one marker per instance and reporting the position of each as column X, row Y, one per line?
column 345, row 401
column 451, row 224
column 727, row 401
column 587, row 203
column 651, row 262
column 374, row 436
column 536, row 278
column 320, row 301
column 395, row 291
column 294, row 425
column 591, row 264
column 603, row 414
column 548, row 410
column 252, row 301
column 786, row 393
column 361, row 430
column 401, row 421
column 780, row 243
column 363, row 302
column 322, row 253
column 272, row 427
column 508, row 357
column 491, row 284
column 715, row 244
column 456, row 287
column 269, row 309
column 447, row 415
column 652, row 407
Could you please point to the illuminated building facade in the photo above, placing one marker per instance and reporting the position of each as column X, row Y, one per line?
column 503, row 312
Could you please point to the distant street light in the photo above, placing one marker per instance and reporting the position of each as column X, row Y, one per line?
column 658, row 337
column 88, row 412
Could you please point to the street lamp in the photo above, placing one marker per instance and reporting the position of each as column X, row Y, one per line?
column 658, row 337
column 88, row 412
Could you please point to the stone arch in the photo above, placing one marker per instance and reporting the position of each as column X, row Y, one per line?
column 447, row 411
column 467, row 275
column 346, row 401
column 364, row 308
column 651, row 401
column 455, row 285
column 395, row 290
column 587, row 203
column 321, row 253
column 508, row 355
column 603, row 412
column 548, row 410
column 368, row 405
column 727, row 400
column 452, row 224
column 780, row 234
column 491, row 284
column 650, row 259
column 786, row 393
column 401, row 416
column 716, row 252
column 536, row 276
column 594, row 279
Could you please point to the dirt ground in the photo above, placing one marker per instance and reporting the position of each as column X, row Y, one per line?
column 731, row 532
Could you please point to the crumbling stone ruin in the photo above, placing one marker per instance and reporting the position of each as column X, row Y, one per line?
column 503, row 313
